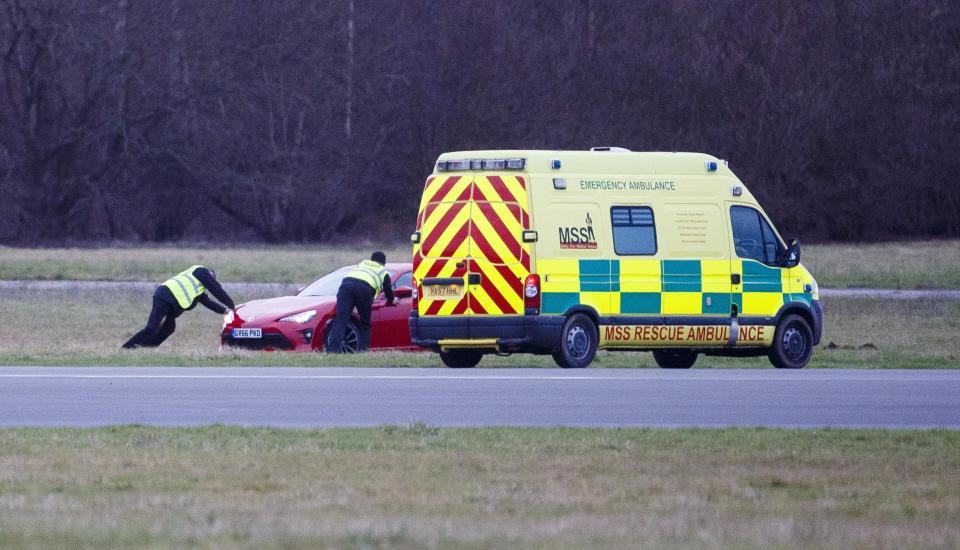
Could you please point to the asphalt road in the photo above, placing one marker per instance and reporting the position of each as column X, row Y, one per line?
column 298, row 397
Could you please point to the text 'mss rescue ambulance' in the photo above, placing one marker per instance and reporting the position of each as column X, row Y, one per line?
column 567, row 252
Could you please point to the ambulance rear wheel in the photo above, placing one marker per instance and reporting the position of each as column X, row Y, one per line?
column 461, row 358
column 792, row 343
column 675, row 358
column 578, row 342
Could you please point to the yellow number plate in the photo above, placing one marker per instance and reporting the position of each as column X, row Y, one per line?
column 443, row 292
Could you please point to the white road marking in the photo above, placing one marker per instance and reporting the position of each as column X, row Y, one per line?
column 696, row 378
column 300, row 377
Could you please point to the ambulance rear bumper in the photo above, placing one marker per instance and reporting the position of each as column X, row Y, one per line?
column 512, row 333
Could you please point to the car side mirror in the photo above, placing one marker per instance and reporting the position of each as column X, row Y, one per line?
column 301, row 289
column 792, row 256
column 403, row 292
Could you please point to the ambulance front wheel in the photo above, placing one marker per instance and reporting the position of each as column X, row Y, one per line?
column 578, row 342
column 675, row 358
column 461, row 358
column 792, row 343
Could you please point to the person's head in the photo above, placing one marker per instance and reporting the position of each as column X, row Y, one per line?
column 379, row 257
column 212, row 273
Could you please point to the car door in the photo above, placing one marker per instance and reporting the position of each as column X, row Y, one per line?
column 391, row 323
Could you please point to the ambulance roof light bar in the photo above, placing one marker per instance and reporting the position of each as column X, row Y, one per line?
column 610, row 149
column 480, row 164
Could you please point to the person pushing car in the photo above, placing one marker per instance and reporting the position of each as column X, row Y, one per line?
column 178, row 294
column 357, row 290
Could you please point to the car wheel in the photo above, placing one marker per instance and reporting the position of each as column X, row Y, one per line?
column 351, row 338
column 578, row 342
column 792, row 343
column 675, row 358
column 461, row 358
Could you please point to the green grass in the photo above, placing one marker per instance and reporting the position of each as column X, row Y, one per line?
column 87, row 327
column 269, row 264
column 903, row 265
column 907, row 265
column 424, row 487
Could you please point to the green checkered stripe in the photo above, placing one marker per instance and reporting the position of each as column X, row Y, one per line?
column 675, row 276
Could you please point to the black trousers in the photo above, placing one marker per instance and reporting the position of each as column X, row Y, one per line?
column 352, row 294
column 160, row 325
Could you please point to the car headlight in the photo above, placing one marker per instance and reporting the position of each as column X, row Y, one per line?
column 301, row 317
column 228, row 318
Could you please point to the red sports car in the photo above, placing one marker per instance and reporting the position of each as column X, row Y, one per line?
column 302, row 322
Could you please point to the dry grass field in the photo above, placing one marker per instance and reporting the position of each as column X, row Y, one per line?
column 908, row 265
column 269, row 264
column 423, row 487
column 87, row 327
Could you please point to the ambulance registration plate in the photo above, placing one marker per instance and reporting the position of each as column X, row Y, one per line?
column 443, row 292
column 247, row 333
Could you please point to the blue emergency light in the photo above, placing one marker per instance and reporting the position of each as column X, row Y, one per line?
column 711, row 165
column 555, row 164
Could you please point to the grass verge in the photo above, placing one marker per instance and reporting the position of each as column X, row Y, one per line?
column 901, row 265
column 87, row 327
column 254, row 264
column 419, row 486
column 907, row 265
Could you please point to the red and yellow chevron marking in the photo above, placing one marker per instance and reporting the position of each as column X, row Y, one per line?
column 446, row 189
column 439, row 267
column 477, row 222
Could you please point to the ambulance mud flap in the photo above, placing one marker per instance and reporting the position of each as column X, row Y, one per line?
column 734, row 332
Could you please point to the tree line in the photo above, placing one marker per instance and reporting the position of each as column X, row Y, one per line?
column 313, row 121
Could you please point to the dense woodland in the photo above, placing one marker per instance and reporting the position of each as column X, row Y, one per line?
column 283, row 121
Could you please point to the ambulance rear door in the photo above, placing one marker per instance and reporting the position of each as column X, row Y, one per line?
column 440, row 258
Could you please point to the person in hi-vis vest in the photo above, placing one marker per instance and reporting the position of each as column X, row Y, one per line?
column 176, row 295
column 358, row 290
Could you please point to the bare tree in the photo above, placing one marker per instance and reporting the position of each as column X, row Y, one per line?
column 308, row 121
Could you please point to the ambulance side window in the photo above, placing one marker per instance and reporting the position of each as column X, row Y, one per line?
column 634, row 233
column 752, row 236
column 771, row 249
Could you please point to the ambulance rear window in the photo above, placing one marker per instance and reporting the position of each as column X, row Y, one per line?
column 634, row 233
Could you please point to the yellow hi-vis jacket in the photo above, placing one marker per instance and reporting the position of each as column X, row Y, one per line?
column 185, row 287
column 371, row 273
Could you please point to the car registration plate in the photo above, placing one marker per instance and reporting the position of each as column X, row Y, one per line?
column 443, row 292
column 247, row 333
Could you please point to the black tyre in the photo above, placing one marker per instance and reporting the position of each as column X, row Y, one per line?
column 792, row 343
column 675, row 358
column 578, row 342
column 461, row 358
column 351, row 338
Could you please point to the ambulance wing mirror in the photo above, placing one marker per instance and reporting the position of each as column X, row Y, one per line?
column 792, row 257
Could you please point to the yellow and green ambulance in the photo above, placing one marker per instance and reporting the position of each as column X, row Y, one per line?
column 568, row 252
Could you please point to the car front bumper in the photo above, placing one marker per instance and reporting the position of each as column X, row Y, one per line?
column 272, row 339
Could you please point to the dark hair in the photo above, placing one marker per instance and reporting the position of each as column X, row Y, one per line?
column 379, row 257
